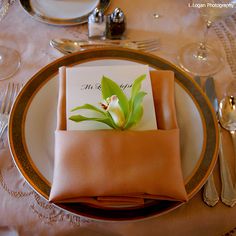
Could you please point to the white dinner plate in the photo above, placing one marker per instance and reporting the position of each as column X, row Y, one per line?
column 62, row 12
column 33, row 121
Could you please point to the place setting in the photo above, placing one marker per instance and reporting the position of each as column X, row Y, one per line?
column 40, row 173
column 45, row 174
column 112, row 132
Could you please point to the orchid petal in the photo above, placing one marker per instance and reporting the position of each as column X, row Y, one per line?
column 116, row 112
column 110, row 88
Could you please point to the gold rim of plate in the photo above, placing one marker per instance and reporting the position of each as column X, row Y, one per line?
column 27, row 168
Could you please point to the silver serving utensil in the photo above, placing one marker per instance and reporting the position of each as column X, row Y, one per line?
column 227, row 114
column 210, row 194
column 8, row 99
column 198, row 80
column 228, row 193
column 4, row 10
column 67, row 46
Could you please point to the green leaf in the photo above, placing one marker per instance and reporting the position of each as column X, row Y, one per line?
column 89, row 107
column 136, row 86
column 137, row 110
column 135, row 118
column 136, row 99
column 139, row 99
column 110, row 88
column 80, row 118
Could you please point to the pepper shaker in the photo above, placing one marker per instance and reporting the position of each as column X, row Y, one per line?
column 96, row 24
column 115, row 26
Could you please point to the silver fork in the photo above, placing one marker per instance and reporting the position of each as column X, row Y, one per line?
column 147, row 44
column 67, row 46
column 4, row 9
column 7, row 101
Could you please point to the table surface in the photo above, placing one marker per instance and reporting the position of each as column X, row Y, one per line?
column 21, row 209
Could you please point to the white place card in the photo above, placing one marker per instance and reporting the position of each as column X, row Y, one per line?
column 83, row 85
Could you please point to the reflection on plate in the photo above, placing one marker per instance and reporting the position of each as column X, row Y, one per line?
column 33, row 118
column 62, row 12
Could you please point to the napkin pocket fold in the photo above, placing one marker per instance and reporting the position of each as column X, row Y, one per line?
column 111, row 163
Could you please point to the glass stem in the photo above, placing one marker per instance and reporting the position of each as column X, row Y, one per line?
column 202, row 50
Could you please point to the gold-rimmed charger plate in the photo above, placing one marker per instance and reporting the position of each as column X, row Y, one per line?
column 33, row 118
column 62, row 12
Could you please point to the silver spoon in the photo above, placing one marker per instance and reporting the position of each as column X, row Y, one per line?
column 227, row 111
column 65, row 46
column 227, row 114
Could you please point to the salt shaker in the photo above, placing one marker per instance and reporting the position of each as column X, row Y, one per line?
column 96, row 24
column 115, row 24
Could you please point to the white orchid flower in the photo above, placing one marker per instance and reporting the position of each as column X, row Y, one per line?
column 112, row 106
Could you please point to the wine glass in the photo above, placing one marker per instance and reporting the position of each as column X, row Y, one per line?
column 200, row 58
column 9, row 58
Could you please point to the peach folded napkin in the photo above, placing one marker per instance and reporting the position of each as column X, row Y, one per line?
column 106, row 167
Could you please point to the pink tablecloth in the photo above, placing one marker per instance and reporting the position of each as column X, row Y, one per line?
column 21, row 209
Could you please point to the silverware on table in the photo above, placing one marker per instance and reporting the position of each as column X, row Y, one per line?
column 6, row 104
column 210, row 194
column 227, row 112
column 228, row 193
column 227, row 117
column 5, row 8
column 198, row 80
column 67, row 46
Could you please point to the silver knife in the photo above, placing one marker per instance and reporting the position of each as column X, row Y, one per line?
column 210, row 194
column 211, row 94
column 198, row 80
column 228, row 193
